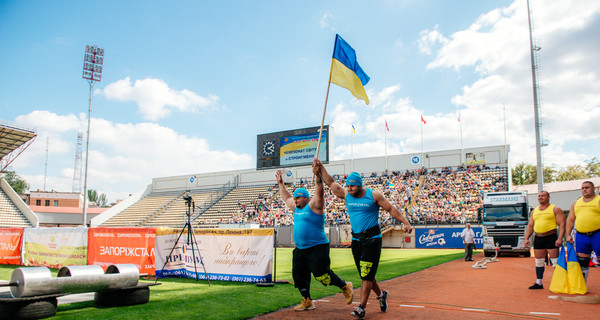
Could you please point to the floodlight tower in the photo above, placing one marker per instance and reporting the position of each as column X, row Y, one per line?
column 536, row 104
column 92, row 71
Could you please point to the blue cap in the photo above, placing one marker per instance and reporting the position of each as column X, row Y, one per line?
column 301, row 192
column 354, row 179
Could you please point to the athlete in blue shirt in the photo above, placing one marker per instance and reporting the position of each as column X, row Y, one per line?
column 311, row 254
column 363, row 206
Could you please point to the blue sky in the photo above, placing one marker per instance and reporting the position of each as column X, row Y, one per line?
column 188, row 85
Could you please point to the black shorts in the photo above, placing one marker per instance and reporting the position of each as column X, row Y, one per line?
column 366, row 257
column 313, row 260
column 545, row 242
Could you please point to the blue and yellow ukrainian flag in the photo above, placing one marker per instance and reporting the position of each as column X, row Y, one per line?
column 353, row 129
column 560, row 281
column 575, row 276
column 345, row 71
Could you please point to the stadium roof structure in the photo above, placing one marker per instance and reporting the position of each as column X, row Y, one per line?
column 13, row 141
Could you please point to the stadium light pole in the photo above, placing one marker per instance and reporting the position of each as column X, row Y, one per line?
column 536, row 104
column 92, row 71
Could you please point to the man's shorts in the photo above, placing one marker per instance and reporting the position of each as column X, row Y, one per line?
column 545, row 242
column 585, row 244
column 366, row 257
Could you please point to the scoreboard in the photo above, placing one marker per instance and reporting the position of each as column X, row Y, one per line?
column 291, row 148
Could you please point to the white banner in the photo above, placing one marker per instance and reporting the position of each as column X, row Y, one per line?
column 55, row 247
column 242, row 255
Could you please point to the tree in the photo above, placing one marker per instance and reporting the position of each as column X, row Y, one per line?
column 573, row 172
column 98, row 199
column 524, row 173
column 15, row 182
column 592, row 167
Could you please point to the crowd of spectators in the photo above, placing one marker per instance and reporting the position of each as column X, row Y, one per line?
column 445, row 196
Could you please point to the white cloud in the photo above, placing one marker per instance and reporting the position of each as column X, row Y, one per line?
column 324, row 22
column 155, row 99
column 123, row 156
column 429, row 39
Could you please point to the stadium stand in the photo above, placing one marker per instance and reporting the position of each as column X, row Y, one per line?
column 10, row 215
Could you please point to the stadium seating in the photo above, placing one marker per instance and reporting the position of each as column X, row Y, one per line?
column 10, row 215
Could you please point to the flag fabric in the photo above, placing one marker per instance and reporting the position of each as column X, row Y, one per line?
column 345, row 70
column 423, row 120
column 386, row 126
column 560, row 281
column 575, row 276
column 353, row 128
column 458, row 118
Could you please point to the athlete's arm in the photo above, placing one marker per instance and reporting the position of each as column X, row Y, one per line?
column 381, row 201
column 284, row 193
column 560, row 221
column 570, row 223
column 529, row 230
column 335, row 187
column 317, row 203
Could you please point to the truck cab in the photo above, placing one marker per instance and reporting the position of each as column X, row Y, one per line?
column 504, row 217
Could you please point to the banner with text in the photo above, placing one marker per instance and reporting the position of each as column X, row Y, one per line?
column 55, row 247
column 446, row 238
column 241, row 255
column 107, row 246
column 10, row 245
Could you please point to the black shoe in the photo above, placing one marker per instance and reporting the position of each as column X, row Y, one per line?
column 536, row 286
column 359, row 312
column 383, row 301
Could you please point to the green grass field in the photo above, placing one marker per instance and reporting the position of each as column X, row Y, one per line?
column 190, row 299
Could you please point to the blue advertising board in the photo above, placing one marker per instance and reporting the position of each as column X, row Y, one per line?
column 444, row 238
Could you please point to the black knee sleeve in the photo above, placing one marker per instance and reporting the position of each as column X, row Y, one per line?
column 539, row 272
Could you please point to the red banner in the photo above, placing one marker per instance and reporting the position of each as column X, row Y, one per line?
column 10, row 245
column 108, row 246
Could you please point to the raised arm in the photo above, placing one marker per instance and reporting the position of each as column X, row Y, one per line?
column 381, row 201
column 284, row 193
column 335, row 187
column 317, row 202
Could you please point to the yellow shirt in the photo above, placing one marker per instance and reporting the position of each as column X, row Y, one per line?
column 544, row 219
column 587, row 215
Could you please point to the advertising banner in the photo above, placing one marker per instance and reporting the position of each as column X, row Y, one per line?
column 10, row 245
column 446, row 238
column 241, row 255
column 55, row 247
column 107, row 246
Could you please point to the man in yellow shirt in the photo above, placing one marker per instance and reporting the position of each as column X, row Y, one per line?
column 544, row 220
column 585, row 217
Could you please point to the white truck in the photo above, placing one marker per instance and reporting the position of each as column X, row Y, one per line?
column 504, row 217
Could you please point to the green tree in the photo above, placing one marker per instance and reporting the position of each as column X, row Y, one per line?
column 15, row 181
column 572, row 172
column 592, row 167
column 98, row 199
column 524, row 173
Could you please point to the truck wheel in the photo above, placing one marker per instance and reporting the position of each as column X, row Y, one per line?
column 527, row 254
column 28, row 310
column 124, row 297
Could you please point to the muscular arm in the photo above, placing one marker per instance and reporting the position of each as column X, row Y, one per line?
column 317, row 203
column 570, row 223
column 284, row 193
column 529, row 231
column 335, row 187
column 381, row 201
column 560, row 221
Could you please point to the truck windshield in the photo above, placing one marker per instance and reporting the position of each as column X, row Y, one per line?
column 510, row 213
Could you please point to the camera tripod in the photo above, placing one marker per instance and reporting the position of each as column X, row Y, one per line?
column 191, row 240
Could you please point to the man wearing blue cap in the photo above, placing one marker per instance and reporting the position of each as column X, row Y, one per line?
column 311, row 254
column 363, row 206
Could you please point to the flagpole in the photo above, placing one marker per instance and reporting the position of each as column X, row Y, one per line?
column 352, row 146
column 385, row 142
column 461, row 138
column 422, row 139
column 323, row 118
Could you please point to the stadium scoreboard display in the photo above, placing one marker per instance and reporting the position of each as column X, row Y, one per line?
column 291, row 148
